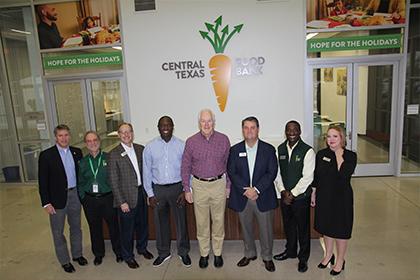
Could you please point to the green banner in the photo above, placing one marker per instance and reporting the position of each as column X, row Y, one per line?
column 82, row 60
column 354, row 43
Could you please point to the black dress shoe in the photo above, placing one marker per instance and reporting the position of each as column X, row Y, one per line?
column 160, row 260
column 245, row 261
column 97, row 261
column 332, row 261
column 283, row 256
column 204, row 262
column 146, row 254
column 81, row 260
column 269, row 265
column 119, row 259
column 335, row 273
column 218, row 261
column 68, row 267
column 132, row 263
column 302, row 266
column 186, row 260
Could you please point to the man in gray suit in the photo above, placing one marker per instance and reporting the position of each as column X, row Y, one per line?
column 125, row 177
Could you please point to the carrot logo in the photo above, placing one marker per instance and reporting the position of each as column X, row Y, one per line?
column 220, row 65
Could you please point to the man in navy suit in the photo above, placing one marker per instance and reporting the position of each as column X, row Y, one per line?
column 57, row 176
column 252, row 169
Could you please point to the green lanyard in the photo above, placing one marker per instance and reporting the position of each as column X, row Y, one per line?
column 95, row 172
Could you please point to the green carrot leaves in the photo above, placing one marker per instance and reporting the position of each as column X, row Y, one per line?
column 220, row 39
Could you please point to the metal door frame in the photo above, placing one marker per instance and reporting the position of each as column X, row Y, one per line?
column 397, row 61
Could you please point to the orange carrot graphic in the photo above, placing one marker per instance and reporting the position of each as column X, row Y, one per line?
column 220, row 69
column 220, row 65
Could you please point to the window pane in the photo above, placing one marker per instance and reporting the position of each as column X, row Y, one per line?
column 9, row 160
column 108, row 110
column 70, row 109
column 24, row 78
column 411, row 134
column 374, row 113
column 330, row 99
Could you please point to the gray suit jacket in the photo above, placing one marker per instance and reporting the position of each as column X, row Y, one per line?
column 122, row 176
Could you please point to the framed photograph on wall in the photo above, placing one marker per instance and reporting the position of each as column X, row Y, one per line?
column 328, row 75
column 341, row 82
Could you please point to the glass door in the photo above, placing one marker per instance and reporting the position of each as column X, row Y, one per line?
column 88, row 104
column 107, row 109
column 374, row 117
column 360, row 97
column 70, row 108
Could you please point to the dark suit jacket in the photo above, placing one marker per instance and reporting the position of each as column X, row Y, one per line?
column 122, row 177
column 265, row 172
column 52, row 177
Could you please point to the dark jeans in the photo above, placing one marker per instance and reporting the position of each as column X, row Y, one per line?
column 134, row 222
column 167, row 197
column 96, row 210
column 296, row 220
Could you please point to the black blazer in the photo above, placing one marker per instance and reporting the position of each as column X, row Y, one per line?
column 265, row 172
column 52, row 177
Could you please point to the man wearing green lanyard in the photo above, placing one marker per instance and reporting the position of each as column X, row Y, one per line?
column 96, row 197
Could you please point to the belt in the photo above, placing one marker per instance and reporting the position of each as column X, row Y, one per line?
column 71, row 189
column 209, row 179
column 167, row 185
column 98, row 195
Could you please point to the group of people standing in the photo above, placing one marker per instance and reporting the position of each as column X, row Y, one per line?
column 205, row 171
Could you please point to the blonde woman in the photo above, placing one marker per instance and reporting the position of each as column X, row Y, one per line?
column 332, row 197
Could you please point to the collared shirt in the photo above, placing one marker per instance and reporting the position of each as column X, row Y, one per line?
column 251, row 155
column 69, row 166
column 204, row 158
column 307, row 173
column 87, row 178
column 162, row 163
column 49, row 36
column 133, row 158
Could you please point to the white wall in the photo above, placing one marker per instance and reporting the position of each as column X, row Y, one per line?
column 274, row 30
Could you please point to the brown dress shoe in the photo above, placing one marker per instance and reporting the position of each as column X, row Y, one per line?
column 269, row 265
column 146, row 254
column 132, row 263
column 245, row 261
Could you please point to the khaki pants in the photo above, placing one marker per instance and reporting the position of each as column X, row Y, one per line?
column 209, row 205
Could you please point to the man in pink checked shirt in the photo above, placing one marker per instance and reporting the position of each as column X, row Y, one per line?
column 205, row 159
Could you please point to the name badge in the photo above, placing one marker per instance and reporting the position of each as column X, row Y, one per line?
column 95, row 188
column 242, row 154
column 282, row 157
column 124, row 154
column 326, row 159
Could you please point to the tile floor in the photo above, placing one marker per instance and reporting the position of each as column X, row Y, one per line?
column 385, row 243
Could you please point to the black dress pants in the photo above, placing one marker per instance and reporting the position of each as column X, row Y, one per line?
column 296, row 221
column 134, row 224
column 96, row 210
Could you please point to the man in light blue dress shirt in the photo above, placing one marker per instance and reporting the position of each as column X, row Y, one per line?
column 162, row 182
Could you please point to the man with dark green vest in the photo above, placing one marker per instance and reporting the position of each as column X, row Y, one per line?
column 296, row 172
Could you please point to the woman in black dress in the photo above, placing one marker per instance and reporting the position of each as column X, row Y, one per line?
column 332, row 197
